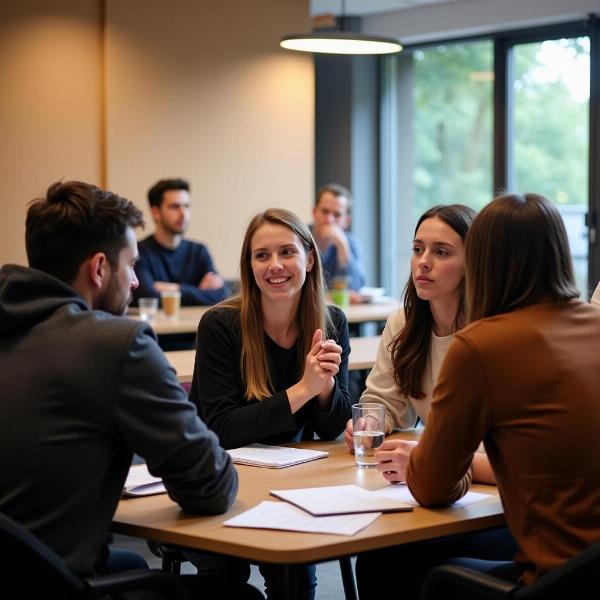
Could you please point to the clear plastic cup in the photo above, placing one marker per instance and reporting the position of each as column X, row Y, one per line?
column 148, row 308
column 368, row 426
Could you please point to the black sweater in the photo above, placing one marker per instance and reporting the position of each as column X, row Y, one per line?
column 218, row 387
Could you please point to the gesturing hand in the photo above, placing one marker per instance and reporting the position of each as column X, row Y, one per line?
column 321, row 364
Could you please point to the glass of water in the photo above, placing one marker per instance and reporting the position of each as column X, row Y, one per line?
column 368, row 425
column 148, row 308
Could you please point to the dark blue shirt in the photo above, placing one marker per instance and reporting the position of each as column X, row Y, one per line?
column 186, row 265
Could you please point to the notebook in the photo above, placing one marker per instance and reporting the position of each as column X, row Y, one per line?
column 339, row 500
column 273, row 457
column 140, row 482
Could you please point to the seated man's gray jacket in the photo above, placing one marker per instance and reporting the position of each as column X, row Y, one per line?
column 83, row 390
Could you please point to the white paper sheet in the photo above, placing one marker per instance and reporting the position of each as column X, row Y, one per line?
column 400, row 491
column 281, row 515
column 273, row 457
column 140, row 482
column 339, row 500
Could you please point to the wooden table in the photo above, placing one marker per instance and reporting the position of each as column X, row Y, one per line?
column 158, row 518
column 362, row 356
column 189, row 317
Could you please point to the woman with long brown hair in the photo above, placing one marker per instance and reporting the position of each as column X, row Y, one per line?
column 416, row 338
column 272, row 363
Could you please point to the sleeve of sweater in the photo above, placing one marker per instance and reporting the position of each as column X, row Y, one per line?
column 159, row 423
column 329, row 424
column 381, row 387
column 202, row 263
column 438, row 471
column 219, row 392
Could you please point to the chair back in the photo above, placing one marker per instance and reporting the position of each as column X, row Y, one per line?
column 578, row 578
column 30, row 567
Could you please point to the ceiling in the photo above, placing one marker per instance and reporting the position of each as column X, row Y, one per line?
column 366, row 7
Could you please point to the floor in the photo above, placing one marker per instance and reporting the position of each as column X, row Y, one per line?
column 329, row 579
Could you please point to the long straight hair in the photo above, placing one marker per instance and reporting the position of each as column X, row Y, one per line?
column 517, row 254
column 411, row 347
column 312, row 311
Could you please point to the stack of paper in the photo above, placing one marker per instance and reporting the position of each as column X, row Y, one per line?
column 401, row 492
column 139, row 482
column 339, row 509
column 281, row 515
column 339, row 500
column 273, row 457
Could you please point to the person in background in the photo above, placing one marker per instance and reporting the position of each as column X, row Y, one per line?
column 522, row 377
column 339, row 249
column 167, row 260
column 272, row 363
column 84, row 389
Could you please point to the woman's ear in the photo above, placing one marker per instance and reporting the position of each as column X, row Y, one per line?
column 310, row 260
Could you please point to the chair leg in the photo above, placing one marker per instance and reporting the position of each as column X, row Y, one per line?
column 348, row 578
column 171, row 566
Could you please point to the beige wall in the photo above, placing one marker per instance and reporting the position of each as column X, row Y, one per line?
column 203, row 93
column 207, row 94
column 49, row 105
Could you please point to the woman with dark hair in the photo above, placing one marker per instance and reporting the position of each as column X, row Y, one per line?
column 416, row 338
column 272, row 363
column 523, row 377
column 412, row 349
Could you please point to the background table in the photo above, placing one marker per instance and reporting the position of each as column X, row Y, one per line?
column 189, row 317
column 362, row 356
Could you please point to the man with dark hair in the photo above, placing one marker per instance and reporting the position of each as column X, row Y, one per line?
column 167, row 261
column 84, row 389
column 339, row 248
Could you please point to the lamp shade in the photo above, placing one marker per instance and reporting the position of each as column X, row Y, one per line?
column 340, row 42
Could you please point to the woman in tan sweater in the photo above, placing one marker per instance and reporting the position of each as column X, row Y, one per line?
column 416, row 338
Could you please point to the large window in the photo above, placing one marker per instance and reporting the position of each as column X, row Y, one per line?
column 437, row 148
column 462, row 121
column 453, row 119
column 549, row 132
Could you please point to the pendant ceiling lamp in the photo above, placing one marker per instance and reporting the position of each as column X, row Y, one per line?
column 340, row 42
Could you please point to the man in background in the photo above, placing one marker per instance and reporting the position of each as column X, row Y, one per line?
column 167, row 260
column 339, row 248
column 83, row 388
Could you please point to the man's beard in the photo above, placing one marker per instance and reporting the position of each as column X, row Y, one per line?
column 112, row 300
column 176, row 229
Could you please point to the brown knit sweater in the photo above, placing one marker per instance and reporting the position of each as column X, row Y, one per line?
column 527, row 383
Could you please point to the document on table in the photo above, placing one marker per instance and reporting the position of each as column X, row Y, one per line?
column 339, row 500
column 273, row 457
column 140, row 482
column 400, row 491
column 281, row 515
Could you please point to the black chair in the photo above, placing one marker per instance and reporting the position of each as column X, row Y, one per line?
column 30, row 569
column 577, row 579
